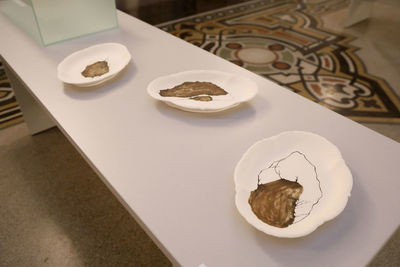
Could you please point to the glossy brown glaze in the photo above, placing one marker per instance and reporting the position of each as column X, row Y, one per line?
column 274, row 203
column 190, row 89
column 96, row 69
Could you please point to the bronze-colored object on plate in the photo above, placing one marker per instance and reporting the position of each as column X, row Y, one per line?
column 96, row 69
column 274, row 203
column 191, row 89
column 202, row 98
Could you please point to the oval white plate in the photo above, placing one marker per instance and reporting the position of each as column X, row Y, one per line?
column 70, row 69
column 240, row 89
column 314, row 161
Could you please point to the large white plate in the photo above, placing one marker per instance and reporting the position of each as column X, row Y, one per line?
column 70, row 69
column 240, row 89
column 307, row 158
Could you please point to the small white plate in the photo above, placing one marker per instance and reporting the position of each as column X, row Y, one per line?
column 307, row 158
column 70, row 69
column 240, row 89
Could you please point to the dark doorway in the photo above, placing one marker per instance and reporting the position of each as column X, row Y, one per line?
column 158, row 11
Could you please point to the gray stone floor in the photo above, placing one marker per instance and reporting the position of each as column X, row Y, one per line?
column 55, row 211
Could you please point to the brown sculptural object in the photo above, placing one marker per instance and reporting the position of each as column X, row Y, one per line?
column 96, row 69
column 274, row 203
column 202, row 98
column 191, row 89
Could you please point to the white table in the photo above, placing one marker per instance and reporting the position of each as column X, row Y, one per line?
column 173, row 170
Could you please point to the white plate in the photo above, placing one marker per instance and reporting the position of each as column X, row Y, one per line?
column 307, row 158
column 70, row 69
column 240, row 89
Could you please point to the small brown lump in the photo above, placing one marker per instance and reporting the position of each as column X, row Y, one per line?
column 202, row 98
column 190, row 89
column 96, row 69
column 274, row 203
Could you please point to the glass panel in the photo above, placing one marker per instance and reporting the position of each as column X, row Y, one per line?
column 21, row 13
column 58, row 20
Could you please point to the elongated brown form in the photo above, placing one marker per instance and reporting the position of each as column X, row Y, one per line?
column 190, row 89
column 96, row 69
column 274, row 203
column 202, row 98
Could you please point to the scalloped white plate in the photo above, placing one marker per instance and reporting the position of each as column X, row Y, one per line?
column 240, row 89
column 307, row 158
column 70, row 69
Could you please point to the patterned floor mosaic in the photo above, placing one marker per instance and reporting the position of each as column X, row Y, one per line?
column 10, row 112
column 286, row 42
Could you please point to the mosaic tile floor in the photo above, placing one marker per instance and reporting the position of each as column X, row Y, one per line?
column 10, row 112
column 304, row 46
column 287, row 41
